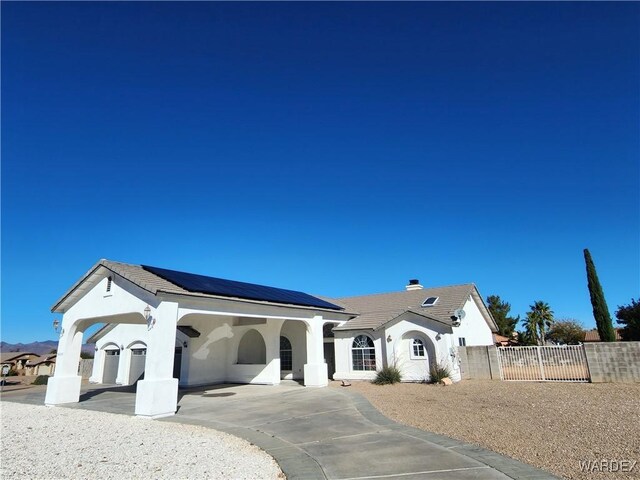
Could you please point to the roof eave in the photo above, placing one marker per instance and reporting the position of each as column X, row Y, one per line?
column 57, row 307
column 257, row 302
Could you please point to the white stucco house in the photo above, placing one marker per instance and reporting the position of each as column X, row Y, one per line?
column 164, row 329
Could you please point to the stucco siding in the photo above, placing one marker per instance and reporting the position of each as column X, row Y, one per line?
column 473, row 328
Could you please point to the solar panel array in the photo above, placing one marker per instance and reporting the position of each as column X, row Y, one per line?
column 231, row 288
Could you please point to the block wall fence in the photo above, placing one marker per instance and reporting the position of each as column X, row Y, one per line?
column 607, row 361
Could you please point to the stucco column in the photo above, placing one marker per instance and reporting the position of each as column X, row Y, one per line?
column 98, row 363
column 124, row 366
column 315, row 370
column 157, row 394
column 272, row 346
column 64, row 386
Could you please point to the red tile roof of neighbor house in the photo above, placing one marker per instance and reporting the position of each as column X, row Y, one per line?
column 594, row 336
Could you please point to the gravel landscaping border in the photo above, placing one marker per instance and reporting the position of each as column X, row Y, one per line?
column 52, row 443
column 552, row 426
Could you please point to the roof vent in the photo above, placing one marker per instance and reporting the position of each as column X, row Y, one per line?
column 414, row 284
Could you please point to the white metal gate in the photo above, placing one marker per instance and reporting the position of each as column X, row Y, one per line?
column 565, row 363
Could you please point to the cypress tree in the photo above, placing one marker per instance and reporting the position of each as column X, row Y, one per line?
column 599, row 304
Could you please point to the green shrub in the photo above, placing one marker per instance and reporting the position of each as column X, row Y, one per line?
column 388, row 375
column 437, row 372
column 12, row 373
column 41, row 380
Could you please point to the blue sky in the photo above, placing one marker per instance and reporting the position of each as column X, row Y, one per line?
column 334, row 148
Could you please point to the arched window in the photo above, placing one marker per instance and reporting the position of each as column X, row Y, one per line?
column 286, row 356
column 252, row 349
column 363, row 353
column 417, row 348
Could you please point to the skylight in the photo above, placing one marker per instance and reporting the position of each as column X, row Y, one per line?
column 430, row 302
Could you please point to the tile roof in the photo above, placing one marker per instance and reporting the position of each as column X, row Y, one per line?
column 378, row 309
column 9, row 356
column 45, row 359
column 594, row 336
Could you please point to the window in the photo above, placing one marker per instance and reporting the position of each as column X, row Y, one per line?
column 417, row 348
column 462, row 342
column 363, row 353
column 430, row 302
column 286, row 357
column 138, row 351
column 109, row 280
column 112, row 352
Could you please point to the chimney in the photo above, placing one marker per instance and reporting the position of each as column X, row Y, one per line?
column 414, row 284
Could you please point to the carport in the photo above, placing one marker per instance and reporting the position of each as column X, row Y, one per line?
column 241, row 328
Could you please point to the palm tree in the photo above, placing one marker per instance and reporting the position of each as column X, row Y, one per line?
column 539, row 319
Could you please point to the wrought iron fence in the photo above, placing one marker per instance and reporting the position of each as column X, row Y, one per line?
column 565, row 363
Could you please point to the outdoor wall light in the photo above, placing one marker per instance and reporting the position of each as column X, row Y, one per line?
column 389, row 339
column 438, row 337
column 147, row 316
column 184, row 344
column 56, row 325
column 121, row 347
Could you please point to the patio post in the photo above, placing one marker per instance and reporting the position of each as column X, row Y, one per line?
column 64, row 386
column 315, row 370
column 157, row 394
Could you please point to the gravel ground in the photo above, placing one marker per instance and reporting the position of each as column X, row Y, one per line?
column 552, row 426
column 54, row 443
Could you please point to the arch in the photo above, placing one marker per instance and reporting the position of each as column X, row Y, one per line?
column 137, row 344
column 252, row 349
column 419, row 347
column 286, row 354
column 363, row 353
column 296, row 332
column 110, row 346
column 327, row 330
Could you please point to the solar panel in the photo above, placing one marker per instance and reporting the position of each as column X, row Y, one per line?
column 231, row 288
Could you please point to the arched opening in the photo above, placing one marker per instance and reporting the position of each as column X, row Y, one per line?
column 296, row 333
column 418, row 354
column 363, row 353
column 252, row 349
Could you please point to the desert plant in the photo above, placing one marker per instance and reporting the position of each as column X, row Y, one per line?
column 437, row 372
column 599, row 304
column 41, row 380
column 388, row 375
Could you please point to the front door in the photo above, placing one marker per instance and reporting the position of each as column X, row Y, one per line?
column 286, row 359
column 330, row 358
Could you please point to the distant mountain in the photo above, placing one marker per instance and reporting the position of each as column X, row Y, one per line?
column 41, row 348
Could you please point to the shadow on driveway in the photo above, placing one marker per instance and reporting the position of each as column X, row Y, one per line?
column 315, row 433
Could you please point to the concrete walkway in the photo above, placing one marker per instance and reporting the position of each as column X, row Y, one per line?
column 325, row 433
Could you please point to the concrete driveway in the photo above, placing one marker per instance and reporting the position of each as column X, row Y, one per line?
column 324, row 433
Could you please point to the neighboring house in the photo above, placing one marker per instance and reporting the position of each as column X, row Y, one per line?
column 502, row 341
column 164, row 328
column 42, row 365
column 17, row 361
column 594, row 336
